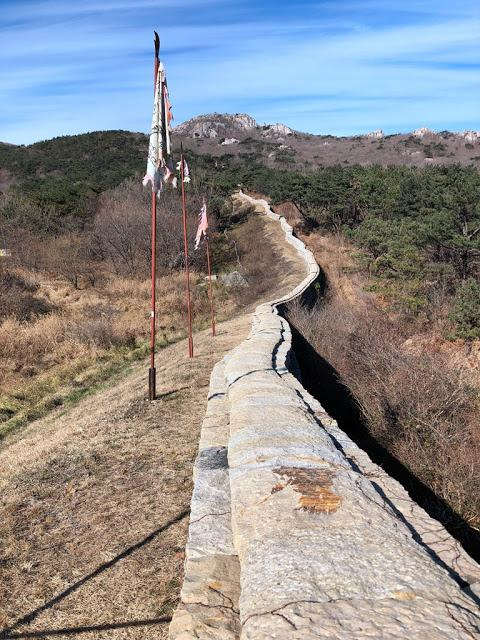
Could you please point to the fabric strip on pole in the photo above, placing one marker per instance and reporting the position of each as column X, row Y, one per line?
column 202, row 225
column 186, row 170
column 159, row 163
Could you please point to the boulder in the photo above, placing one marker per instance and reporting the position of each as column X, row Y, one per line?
column 421, row 132
column 233, row 279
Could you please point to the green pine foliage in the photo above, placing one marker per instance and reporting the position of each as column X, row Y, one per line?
column 417, row 229
column 69, row 172
column 465, row 313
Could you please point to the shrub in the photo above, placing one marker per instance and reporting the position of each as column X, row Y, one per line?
column 100, row 331
column 416, row 405
column 121, row 229
column 465, row 313
column 17, row 299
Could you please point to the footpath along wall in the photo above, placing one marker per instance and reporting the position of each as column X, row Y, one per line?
column 294, row 532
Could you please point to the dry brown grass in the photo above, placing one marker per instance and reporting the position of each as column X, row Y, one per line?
column 78, row 490
column 18, row 297
column 267, row 266
column 42, row 360
column 423, row 411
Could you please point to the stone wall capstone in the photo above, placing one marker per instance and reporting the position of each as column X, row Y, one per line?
column 294, row 532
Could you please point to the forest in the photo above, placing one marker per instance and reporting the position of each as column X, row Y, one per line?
column 417, row 230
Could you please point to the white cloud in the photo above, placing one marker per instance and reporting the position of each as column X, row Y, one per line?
column 263, row 67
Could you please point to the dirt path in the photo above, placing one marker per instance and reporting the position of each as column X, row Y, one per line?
column 77, row 491
column 94, row 503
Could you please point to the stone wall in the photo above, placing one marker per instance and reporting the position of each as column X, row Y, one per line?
column 294, row 532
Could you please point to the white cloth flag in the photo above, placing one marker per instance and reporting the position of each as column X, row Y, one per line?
column 186, row 170
column 202, row 225
column 159, row 163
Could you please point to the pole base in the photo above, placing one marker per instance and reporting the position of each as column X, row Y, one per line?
column 152, row 392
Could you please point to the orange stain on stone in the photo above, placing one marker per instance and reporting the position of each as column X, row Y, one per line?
column 314, row 485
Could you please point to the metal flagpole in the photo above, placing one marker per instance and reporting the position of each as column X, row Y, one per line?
column 152, row 372
column 210, row 291
column 185, row 245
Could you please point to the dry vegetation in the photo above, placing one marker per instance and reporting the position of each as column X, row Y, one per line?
column 90, row 333
column 414, row 401
column 85, row 497
column 94, row 500
column 74, row 307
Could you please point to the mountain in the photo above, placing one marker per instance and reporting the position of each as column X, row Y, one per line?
column 278, row 145
column 69, row 172
column 223, row 125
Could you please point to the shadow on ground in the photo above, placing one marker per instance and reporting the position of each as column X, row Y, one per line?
column 9, row 634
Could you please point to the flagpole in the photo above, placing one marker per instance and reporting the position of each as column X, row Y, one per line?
column 152, row 393
column 210, row 291
column 185, row 245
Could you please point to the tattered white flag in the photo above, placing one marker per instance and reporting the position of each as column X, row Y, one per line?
column 159, row 163
column 186, row 170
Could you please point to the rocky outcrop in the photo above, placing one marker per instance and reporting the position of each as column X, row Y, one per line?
column 294, row 532
column 215, row 124
column 422, row 132
column 471, row 136
column 230, row 126
column 276, row 129
column 377, row 134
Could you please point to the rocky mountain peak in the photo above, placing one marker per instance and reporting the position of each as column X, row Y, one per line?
column 377, row 134
column 229, row 127
column 213, row 125
column 422, row 132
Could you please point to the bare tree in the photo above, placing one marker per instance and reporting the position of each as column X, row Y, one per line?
column 121, row 230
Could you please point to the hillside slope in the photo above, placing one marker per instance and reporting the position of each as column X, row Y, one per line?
column 85, row 494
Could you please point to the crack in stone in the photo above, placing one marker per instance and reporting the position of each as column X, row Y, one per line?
column 206, row 515
column 459, row 622
column 230, row 607
column 275, row 612
column 423, row 596
column 212, row 606
column 222, row 595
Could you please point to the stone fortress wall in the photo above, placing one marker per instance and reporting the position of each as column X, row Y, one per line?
column 294, row 532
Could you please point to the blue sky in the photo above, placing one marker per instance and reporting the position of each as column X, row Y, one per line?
column 337, row 67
